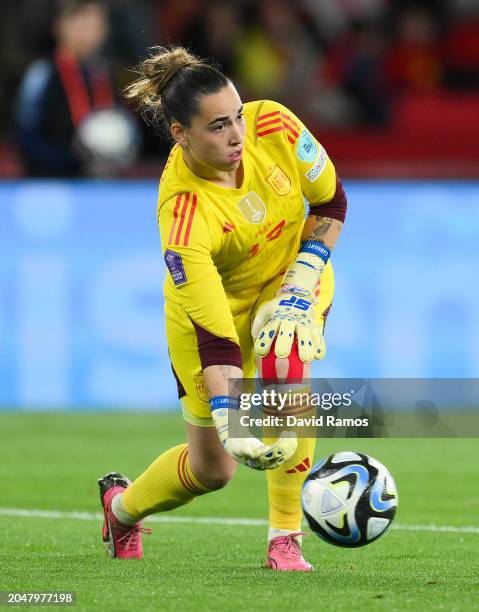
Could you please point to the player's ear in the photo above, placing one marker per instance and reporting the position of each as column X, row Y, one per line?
column 178, row 133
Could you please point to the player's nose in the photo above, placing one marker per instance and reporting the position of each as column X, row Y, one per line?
column 236, row 136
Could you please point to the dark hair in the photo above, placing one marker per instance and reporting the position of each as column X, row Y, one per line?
column 171, row 83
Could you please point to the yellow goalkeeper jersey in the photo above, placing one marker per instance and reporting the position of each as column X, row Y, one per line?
column 221, row 243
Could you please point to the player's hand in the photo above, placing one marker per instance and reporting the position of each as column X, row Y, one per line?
column 249, row 450
column 283, row 318
column 254, row 454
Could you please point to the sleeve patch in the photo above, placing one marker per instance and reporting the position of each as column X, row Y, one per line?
column 313, row 173
column 174, row 263
column 306, row 149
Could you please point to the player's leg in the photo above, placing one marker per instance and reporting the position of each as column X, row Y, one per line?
column 285, row 483
column 174, row 479
column 179, row 474
column 210, row 463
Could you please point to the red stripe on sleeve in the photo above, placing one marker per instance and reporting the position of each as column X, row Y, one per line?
column 175, row 217
column 290, row 120
column 268, row 115
column 190, row 220
column 280, row 128
column 291, row 129
column 260, row 126
column 182, row 221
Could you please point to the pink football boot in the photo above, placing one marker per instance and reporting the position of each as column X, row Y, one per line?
column 284, row 554
column 122, row 541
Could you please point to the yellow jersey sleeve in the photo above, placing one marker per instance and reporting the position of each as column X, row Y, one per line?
column 316, row 171
column 186, row 244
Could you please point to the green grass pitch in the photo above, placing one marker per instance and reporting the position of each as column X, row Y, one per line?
column 51, row 462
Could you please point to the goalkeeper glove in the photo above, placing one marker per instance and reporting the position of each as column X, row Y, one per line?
column 292, row 310
column 249, row 451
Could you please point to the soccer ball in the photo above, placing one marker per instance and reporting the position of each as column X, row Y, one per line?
column 349, row 499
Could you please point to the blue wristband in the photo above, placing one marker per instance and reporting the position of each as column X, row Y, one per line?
column 224, row 401
column 316, row 248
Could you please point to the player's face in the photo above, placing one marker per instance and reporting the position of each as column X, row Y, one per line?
column 216, row 135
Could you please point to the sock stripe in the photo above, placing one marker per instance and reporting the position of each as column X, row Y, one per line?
column 181, row 462
column 198, row 489
column 187, row 475
column 186, row 478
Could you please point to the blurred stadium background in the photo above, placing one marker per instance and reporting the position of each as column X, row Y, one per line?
column 390, row 88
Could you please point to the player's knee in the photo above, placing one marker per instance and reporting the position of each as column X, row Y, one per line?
column 289, row 369
column 217, row 478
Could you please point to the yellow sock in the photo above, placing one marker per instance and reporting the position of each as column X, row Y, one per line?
column 284, row 487
column 166, row 484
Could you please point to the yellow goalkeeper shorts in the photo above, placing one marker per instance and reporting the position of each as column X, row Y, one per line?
column 183, row 346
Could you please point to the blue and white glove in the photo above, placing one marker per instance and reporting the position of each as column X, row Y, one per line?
column 291, row 312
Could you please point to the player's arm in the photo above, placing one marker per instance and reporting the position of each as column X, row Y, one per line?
column 291, row 313
column 187, row 247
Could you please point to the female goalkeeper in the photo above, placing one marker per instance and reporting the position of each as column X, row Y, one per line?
column 246, row 274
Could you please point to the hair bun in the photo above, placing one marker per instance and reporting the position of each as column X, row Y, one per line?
column 164, row 63
column 159, row 103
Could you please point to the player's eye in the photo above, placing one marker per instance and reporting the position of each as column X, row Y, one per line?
column 240, row 117
column 219, row 128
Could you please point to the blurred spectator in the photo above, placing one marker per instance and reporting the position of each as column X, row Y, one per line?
column 333, row 19
column 132, row 32
column 216, row 33
column 176, row 17
column 461, row 46
column 278, row 57
column 357, row 65
column 414, row 60
column 58, row 93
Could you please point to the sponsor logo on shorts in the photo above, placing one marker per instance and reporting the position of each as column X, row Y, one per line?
column 313, row 173
column 306, row 149
column 175, row 266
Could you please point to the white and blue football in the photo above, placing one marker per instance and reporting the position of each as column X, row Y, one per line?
column 349, row 499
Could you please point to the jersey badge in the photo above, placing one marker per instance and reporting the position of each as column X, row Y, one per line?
column 313, row 173
column 174, row 264
column 306, row 149
column 252, row 207
column 201, row 387
column 279, row 181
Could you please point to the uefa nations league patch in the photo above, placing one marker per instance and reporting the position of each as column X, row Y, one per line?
column 174, row 264
column 306, row 149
